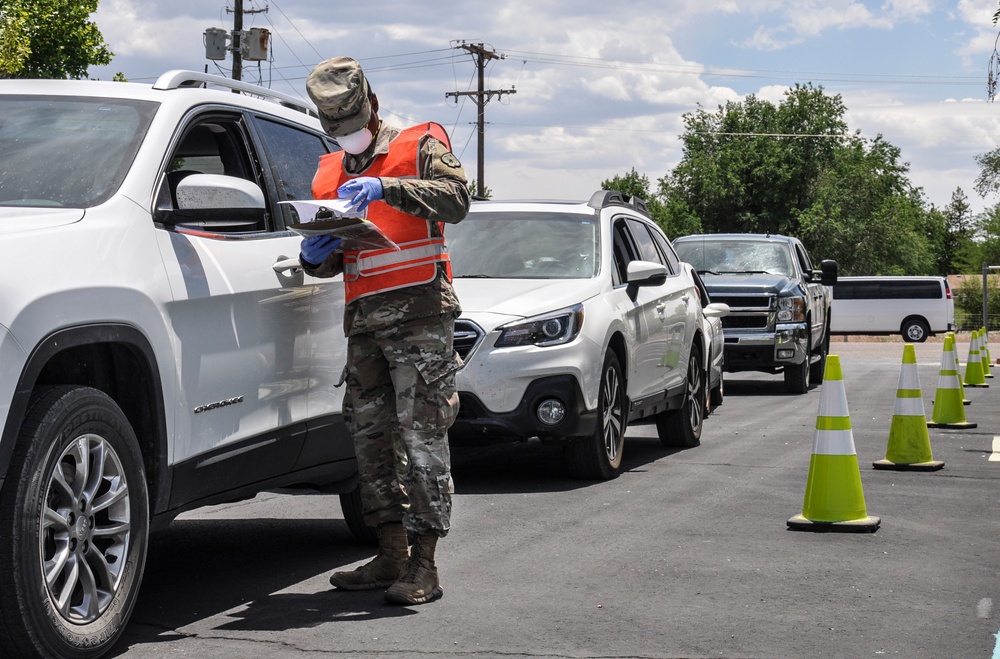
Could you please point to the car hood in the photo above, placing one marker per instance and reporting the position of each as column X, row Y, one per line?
column 750, row 284
column 520, row 298
column 14, row 219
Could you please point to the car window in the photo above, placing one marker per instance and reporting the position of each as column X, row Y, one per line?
column 215, row 144
column 294, row 156
column 644, row 242
column 624, row 252
column 524, row 245
column 805, row 265
column 667, row 250
column 69, row 152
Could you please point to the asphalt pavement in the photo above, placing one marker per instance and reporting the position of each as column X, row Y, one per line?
column 686, row 554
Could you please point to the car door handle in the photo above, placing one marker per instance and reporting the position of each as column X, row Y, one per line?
column 284, row 265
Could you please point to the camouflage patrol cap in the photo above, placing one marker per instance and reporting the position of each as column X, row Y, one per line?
column 340, row 91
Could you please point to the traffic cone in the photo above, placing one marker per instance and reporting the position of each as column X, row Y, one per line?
column 984, row 354
column 954, row 350
column 974, row 365
column 909, row 446
column 986, row 349
column 949, row 411
column 834, row 500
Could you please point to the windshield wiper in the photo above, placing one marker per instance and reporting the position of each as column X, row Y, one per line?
column 707, row 272
column 473, row 277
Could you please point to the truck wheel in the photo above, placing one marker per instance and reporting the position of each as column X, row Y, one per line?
column 682, row 428
column 818, row 368
column 915, row 330
column 599, row 457
column 797, row 377
column 74, row 521
column 350, row 504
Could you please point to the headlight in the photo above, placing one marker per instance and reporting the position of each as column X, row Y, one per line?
column 791, row 309
column 550, row 329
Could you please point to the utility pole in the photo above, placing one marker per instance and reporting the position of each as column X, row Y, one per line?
column 481, row 97
column 237, row 39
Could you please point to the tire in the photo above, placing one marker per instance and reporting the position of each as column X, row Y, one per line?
column 350, row 504
column 716, row 395
column 818, row 368
column 74, row 523
column 599, row 457
column 681, row 428
column 915, row 330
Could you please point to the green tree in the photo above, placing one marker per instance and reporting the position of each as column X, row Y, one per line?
column 794, row 168
column 959, row 225
column 50, row 39
column 749, row 166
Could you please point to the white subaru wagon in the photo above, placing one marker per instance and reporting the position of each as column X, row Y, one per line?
column 578, row 319
column 160, row 348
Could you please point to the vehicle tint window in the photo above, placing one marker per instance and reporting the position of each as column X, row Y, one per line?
column 294, row 156
column 67, row 151
column 624, row 253
column 524, row 246
column 215, row 144
column 888, row 290
column 667, row 250
column 805, row 264
column 644, row 242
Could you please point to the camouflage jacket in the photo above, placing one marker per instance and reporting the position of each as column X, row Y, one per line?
column 439, row 195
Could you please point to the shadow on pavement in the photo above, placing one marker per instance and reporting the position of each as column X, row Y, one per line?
column 197, row 569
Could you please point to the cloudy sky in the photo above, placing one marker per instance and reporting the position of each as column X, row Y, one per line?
column 601, row 87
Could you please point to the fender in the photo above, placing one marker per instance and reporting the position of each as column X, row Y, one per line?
column 149, row 389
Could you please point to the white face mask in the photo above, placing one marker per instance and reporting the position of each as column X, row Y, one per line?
column 356, row 143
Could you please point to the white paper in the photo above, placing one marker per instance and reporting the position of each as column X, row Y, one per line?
column 307, row 208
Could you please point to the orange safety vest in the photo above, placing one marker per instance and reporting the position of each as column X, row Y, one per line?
column 374, row 271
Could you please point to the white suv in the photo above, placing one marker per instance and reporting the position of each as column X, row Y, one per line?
column 159, row 347
column 578, row 319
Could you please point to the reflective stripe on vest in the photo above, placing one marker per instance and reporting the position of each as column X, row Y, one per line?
column 375, row 262
column 416, row 262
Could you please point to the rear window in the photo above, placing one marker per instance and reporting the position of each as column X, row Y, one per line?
column 69, row 152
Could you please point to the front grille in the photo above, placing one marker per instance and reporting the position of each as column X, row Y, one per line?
column 744, row 322
column 748, row 302
column 467, row 337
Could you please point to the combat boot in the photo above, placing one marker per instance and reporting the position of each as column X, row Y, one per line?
column 419, row 582
column 385, row 568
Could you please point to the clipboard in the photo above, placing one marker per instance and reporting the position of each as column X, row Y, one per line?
column 334, row 217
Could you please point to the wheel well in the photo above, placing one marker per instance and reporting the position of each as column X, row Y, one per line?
column 911, row 318
column 117, row 361
column 617, row 344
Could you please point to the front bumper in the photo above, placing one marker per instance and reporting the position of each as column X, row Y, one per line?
column 766, row 351
column 476, row 422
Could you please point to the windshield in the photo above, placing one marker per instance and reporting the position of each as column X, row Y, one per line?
column 524, row 245
column 67, row 151
column 728, row 257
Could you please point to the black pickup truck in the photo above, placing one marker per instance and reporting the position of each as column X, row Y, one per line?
column 780, row 305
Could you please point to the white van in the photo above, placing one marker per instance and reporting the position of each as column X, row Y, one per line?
column 916, row 307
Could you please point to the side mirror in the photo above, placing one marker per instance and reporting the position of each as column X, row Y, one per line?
column 216, row 202
column 828, row 268
column 645, row 273
column 716, row 310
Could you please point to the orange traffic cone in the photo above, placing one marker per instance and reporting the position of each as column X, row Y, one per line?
column 834, row 500
column 909, row 446
column 974, row 365
column 949, row 411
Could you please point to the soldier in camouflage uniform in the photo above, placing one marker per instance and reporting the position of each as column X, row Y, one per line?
column 401, row 396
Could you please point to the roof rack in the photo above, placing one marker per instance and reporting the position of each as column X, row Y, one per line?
column 180, row 79
column 604, row 198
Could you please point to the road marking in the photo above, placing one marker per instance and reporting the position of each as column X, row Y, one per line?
column 995, row 457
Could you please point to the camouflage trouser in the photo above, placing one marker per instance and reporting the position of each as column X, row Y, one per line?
column 400, row 401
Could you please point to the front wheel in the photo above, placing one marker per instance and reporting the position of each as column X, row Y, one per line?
column 599, row 457
column 74, row 522
column 682, row 428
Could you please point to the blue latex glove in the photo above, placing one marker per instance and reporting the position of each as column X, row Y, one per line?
column 362, row 191
column 315, row 249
